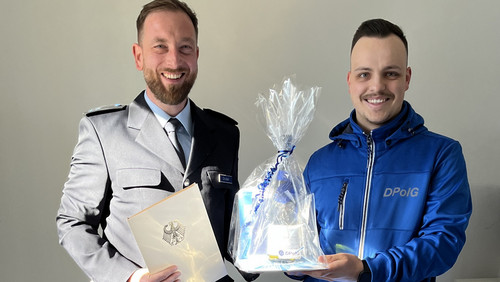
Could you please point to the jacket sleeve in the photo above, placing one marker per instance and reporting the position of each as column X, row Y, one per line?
column 83, row 208
column 437, row 244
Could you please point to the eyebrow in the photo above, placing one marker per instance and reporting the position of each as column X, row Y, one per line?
column 159, row 40
column 183, row 40
column 363, row 69
column 391, row 67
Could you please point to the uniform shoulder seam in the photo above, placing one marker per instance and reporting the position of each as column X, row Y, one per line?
column 221, row 116
column 105, row 109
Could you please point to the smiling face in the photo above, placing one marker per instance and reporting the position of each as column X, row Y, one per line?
column 167, row 53
column 378, row 80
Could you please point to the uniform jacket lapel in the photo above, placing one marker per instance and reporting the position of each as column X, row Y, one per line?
column 151, row 135
column 203, row 141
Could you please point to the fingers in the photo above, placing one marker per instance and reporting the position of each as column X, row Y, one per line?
column 295, row 273
column 328, row 276
column 329, row 258
column 317, row 273
column 169, row 274
column 338, row 266
column 174, row 277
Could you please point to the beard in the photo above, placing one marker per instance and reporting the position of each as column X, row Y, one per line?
column 173, row 94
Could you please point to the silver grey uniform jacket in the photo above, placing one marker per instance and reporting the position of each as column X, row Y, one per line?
column 124, row 162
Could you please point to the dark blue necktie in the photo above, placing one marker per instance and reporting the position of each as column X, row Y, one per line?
column 172, row 128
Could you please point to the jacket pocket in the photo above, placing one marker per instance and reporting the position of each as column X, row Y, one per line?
column 341, row 203
column 138, row 177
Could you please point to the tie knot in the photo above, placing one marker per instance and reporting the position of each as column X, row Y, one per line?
column 172, row 125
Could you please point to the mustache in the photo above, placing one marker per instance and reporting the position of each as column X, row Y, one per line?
column 384, row 94
column 177, row 70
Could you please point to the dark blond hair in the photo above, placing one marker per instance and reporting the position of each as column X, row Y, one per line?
column 165, row 5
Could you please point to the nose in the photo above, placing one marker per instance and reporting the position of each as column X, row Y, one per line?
column 173, row 58
column 377, row 84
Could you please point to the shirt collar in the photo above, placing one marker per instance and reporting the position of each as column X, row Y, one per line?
column 184, row 116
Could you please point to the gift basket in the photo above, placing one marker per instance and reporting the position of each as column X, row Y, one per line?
column 273, row 226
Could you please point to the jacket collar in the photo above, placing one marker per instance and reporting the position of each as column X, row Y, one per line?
column 184, row 116
column 406, row 124
column 152, row 136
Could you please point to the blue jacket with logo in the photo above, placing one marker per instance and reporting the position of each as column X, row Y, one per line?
column 398, row 197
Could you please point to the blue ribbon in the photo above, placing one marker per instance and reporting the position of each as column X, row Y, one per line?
column 262, row 187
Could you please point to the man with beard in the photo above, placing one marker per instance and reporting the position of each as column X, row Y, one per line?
column 124, row 161
column 401, row 194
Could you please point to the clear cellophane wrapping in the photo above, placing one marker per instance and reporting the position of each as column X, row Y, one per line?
column 273, row 226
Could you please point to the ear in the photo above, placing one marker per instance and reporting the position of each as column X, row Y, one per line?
column 408, row 77
column 349, row 80
column 137, row 51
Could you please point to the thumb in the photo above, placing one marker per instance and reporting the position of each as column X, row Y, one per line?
column 322, row 259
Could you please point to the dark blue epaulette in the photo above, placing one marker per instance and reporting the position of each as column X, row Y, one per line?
column 105, row 109
column 221, row 116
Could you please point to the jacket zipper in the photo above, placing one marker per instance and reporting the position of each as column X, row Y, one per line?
column 371, row 158
column 341, row 204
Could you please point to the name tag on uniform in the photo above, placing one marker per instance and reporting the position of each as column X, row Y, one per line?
column 224, row 178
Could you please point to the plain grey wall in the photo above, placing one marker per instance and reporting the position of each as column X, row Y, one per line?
column 61, row 58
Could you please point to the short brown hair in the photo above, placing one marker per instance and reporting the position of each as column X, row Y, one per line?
column 165, row 5
column 378, row 28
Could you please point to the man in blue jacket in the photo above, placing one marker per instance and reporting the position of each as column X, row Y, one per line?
column 392, row 198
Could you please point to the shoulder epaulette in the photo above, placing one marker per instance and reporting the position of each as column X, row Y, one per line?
column 105, row 109
column 221, row 116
